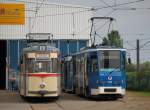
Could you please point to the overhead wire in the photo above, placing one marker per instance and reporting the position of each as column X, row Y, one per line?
column 91, row 9
column 132, row 8
column 80, row 11
column 37, row 9
column 102, row 26
column 121, row 4
column 145, row 39
column 130, row 44
column 144, row 44
column 96, row 9
column 108, row 14
column 106, row 4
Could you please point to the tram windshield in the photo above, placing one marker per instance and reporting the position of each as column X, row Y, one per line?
column 109, row 59
column 37, row 66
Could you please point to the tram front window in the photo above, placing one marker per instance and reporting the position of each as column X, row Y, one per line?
column 109, row 59
column 43, row 66
column 48, row 66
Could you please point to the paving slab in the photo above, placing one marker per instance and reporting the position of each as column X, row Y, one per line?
column 49, row 106
column 10, row 97
column 14, row 106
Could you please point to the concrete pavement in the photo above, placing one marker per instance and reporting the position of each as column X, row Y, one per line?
column 12, row 101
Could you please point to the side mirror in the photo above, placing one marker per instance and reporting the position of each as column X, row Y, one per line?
column 129, row 60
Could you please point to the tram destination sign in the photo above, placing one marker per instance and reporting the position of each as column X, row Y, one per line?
column 42, row 56
column 12, row 14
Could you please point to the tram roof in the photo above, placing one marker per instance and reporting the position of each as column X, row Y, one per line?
column 98, row 48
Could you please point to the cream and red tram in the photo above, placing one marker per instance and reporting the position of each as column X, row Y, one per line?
column 40, row 71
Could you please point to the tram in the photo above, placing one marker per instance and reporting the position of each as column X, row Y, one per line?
column 40, row 71
column 96, row 72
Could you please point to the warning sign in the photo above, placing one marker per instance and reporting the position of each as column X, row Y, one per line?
column 12, row 14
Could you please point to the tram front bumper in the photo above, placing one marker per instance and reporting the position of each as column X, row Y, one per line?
column 42, row 92
column 108, row 90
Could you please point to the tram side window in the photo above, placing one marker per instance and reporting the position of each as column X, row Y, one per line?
column 82, row 64
column 55, row 65
column 123, row 60
column 21, row 64
column 78, row 70
column 30, row 66
column 93, row 63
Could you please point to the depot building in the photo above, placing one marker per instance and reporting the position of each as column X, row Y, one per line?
column 70, row 26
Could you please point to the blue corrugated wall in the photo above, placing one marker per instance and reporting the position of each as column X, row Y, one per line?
column 15, row 48
column 72, row 46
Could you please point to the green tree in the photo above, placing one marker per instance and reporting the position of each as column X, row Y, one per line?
column 113, row 39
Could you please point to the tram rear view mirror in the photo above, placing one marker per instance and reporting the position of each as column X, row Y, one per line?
column 129, row 61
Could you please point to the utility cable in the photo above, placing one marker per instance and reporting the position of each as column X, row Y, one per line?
column 92, row 9
column 108, row 14
column 130, row 44
column 37, row 9
column 121, row 4
column 106, row 4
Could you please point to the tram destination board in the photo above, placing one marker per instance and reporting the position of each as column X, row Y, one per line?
column 42, row 56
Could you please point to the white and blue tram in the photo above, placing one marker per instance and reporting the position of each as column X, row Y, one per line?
column 96, row 71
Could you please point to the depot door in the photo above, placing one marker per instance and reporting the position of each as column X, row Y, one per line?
column 3, row 64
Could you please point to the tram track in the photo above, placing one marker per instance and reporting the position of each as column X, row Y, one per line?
column 59, row 105
column 32, row 108
column 122, row 100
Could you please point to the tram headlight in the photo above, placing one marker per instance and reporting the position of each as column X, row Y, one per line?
column 42, row 85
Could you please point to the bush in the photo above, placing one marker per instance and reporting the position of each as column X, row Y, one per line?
column 138, row 81
column 130, row 67
column 145, row 67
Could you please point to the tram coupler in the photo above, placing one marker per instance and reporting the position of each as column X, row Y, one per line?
column 42, row 93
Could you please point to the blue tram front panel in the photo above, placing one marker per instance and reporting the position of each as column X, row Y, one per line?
column 106, row 70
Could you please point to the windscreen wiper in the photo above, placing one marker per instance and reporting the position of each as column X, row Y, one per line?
column 113, row 70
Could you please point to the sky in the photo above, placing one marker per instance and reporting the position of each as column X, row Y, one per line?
column 132, row 24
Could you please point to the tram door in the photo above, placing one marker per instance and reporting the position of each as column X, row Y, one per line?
column 93, row 70
column 3, row 50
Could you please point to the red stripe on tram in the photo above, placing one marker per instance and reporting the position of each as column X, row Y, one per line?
column 43, row 75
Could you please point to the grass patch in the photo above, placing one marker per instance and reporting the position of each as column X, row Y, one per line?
column 141, row 93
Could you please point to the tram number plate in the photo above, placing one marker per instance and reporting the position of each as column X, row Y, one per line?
column 110, row 90
column 42, row 55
